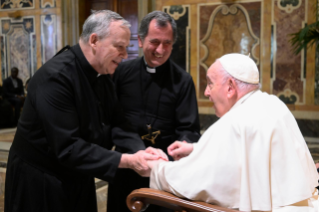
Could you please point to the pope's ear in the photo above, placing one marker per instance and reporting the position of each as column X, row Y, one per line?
column 93, row 39
column 232, row 88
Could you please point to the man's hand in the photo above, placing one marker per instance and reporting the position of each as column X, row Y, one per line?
column 138, row 162
column 152, row 163
column 179, row 149
column 157, row 152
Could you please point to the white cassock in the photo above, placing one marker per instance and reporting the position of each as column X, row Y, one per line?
column 254, row 158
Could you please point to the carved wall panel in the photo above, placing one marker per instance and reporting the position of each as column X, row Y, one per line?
column 16, row 4
column 28, row 41
column 18, row 46
column 48, row 3
column 288, row 70
column 227, row 28
column 48, row 37
column 181, row 49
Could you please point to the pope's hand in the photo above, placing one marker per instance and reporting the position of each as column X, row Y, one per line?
column 152, row 163
column 138, row 162
column 157, row 152
column 179, row 149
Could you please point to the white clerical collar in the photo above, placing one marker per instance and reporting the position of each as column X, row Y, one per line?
column 149, row 69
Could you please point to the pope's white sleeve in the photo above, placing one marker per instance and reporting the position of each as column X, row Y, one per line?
column 158, row 180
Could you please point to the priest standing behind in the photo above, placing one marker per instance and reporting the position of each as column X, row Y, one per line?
column 254, row 158
column 158, row 98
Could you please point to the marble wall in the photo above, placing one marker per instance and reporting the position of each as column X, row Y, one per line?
column 18, row 46
column 227, row 28
column 261, row 29
column 28, row 35
column 288, row 70
column 181, row 48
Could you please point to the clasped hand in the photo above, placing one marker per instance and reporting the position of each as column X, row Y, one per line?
column 138, row 161
column 144, row 160
column 177, row 150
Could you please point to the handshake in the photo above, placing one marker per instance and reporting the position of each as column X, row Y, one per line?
column 143, row 161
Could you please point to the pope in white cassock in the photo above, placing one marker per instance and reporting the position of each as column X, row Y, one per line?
column 254, row 158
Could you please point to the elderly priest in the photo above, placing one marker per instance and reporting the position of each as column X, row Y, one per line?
column 253, row 158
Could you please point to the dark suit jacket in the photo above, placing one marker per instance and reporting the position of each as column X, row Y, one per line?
column 9, row 90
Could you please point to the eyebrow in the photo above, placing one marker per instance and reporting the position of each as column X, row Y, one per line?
column 155, row 39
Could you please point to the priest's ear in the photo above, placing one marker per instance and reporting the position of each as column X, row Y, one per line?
column 93, row 39
column 232, row 91
column 140, row 42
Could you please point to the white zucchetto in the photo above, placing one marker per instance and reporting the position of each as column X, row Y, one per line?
column 241, row 67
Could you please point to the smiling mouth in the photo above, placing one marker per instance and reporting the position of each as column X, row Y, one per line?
column 158, row 56
column 117, row 63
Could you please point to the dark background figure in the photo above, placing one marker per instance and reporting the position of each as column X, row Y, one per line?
column 13, row 91
column 6, row 112
column 157, row 95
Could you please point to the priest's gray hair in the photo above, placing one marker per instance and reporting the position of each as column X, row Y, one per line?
column 98, row 22
column 242, row 86
column 162, row 20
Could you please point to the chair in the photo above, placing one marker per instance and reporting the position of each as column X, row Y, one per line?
column 139, row 199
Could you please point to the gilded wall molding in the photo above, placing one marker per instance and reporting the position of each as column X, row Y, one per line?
column 48, row 3
column 18, row 46
column 225, row 10
column 16, row 5
column 181, row 48
column 288, row 71
column 288, row 5
column 48, row 37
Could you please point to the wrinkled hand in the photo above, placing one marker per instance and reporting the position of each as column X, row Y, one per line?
column 157, row 152
column 138, row 162
column 152, row 163
column 179, row 149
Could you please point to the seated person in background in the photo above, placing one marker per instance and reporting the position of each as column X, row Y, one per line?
column 254, row 158
column 6, row 112
column 13, row 91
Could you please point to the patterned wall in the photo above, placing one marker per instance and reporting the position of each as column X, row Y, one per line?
column 48, row 37
column 28, row 41
column 226, row 28
column 288, row 70
column 18, row 46
column 181, row 48
column 261, row 28
column 16, row 4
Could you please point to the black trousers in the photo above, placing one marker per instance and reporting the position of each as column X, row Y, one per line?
column 17, row 104
column 28, row 189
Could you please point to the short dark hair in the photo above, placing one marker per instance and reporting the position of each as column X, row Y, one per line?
column 162, row 19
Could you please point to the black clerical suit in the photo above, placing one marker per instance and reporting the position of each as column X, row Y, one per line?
column 166, row 100
column 63, row 137
column 6, row 112
column 10, row 93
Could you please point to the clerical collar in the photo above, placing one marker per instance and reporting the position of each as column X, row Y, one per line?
column 149, row 69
